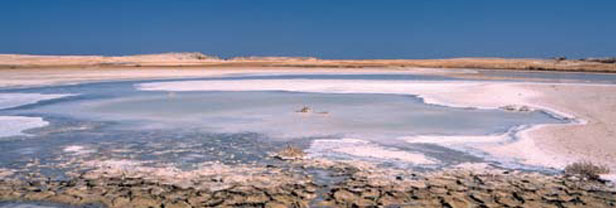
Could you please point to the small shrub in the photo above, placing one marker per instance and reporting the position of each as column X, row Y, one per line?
column 305, row 109
column 290, row 153
column 586, row 169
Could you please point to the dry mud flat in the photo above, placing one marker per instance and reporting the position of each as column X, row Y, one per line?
column 297, row 185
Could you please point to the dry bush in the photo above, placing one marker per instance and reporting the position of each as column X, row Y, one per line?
column 305, row 109
column 586, row 169
column 291, row 153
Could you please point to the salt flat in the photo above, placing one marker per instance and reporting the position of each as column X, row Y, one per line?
column 590, row 103
column 218, row 125
column 570, row 146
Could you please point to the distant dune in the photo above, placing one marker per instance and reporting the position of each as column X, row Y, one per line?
column 14, row 61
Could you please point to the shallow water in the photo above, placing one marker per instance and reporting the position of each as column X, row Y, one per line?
column 376, row 116
column 113, row 120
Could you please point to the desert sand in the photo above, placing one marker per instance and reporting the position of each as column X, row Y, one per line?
column 14, row 61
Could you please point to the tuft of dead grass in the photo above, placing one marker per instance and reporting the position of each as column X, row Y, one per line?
column 305, row 109
column 291, row 153
column 586, row 170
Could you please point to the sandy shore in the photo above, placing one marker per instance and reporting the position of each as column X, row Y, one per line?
column 15, row 78
column 552, row 146
column 15, row 125
column 590, row 139
column 14, row 61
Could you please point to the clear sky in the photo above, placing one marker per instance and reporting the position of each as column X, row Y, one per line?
column 319, row 28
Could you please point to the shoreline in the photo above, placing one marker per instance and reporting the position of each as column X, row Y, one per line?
column 18, row 61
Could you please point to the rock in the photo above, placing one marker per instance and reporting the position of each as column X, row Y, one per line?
column 480, row 197
column 275, row 191
column 304, row 195
column 275, row 205
column 438, row 182
column 521, row 197
column 516, row 108
column 421, row 194
column 175, row 196
column 438, row 190
column 507, row 199
column 345, row 197
column 235, row 199
column 326, row 203
column 310, row 188
column 528, row 186
column 390, row 201
column 455, row 202
column 595, row 202
column 214, row 202
column 361, row 202
column 121, row 202
column 257, row 198
column 198, row 201
column 284, row 199
column 156, row 191
column 540, row 204
column 372, row 194
column 64, row 198
column 144, row 202
column 178, row 204
column 457, row 188
column 78, row 193
column 399, row 195
column 418, row 184
column 38, row 196
column 431, row 202
column 96, row 199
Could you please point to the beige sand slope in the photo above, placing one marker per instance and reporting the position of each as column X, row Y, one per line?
column 12, row 61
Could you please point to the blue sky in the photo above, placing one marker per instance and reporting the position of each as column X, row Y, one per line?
column 319, row 28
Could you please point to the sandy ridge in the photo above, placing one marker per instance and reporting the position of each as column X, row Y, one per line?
column 15, row 61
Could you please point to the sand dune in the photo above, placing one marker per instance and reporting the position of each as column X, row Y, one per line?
column 13, row 61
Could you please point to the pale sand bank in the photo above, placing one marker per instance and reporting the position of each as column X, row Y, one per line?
column 451, row 93
column 54, row 76
column 78, row 150
column 366, row 149
column 11, row 100
column 15, row 125
column 535, row 146
column 16, row 61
